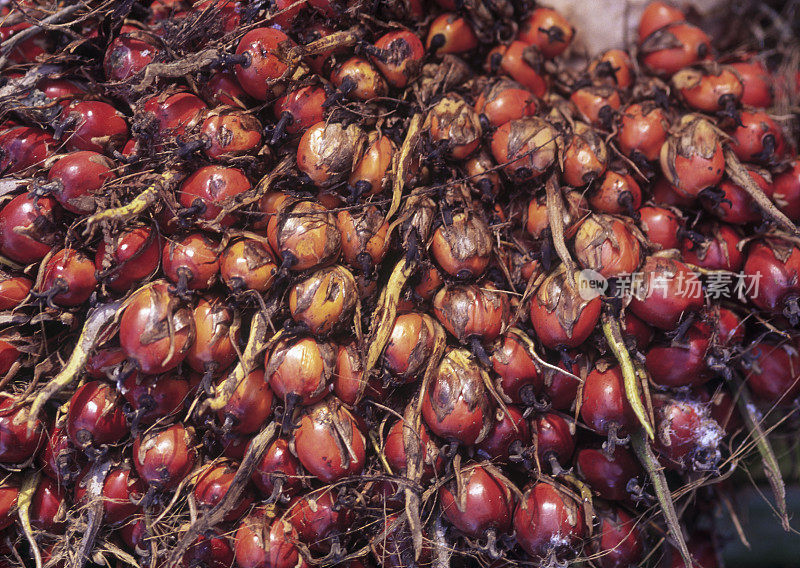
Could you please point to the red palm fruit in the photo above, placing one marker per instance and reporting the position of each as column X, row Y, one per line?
column 133, row 533
column 95, row 126
column 214, row 346
column 103, row 361
column 482, row 174
column 68, row 278
column 230, row 134
column 211, row 188
column 720, row 250
column 608, row 475
column 454, row 123
column 209, row 550
column 548, row 30
column 9, row 494
column 261, row 64
column 549, row 521
column 262, row 542
column 131, row 256
column 398, row 55
column 642, row 130
column 300, row 369
column 520, row 378
column 555, row 438
column 250, row 404
column 576, row 209
column 360, row 79
column 304, row 235
column 394, row 449
column 9, row 354
column 22, row 147
column 674, row 47
column 28, row 228
column 525, row 147
column 757, row 82
column 325, row 301
column 164, row 458
column 597, row 105
column 613, row 68
column 621, row 542
column 372, row 171
column 604, row 406
column 667, row 290
column 774, row 375
column 429, row 280
column 682, row 363
column 122, row 491
column 78, row 177
column 772, row 268
column 95, row 416
column 211, row 485
column 463, row 248
column 155, row 397
column 456, row 405
column 365, row 237
column 349, row 384
column 723, row 409
column 229, row 12
column 504, row 100
column 48, row 508
column 735, row 205
column 13, row 290
column 636, row 330
column 692, row 157
column 410, row 346
column 758, row 138
column 27, row 50
column 329, row 442
column 585, row 157
column 317, row 518
column 482, row 504
column 176, row 112
column 786, row 190
column 60, row 459
column 328, row 151
column 560, row 315
column 522, row 62
column 234, row 445
column 278, row 468
column 729, row 326
column 687, row 437
column 607, row 245
column 657, row 15
column 155, row 330
column 709, row 88
column 450, row 33
column 617, row 194
column 191, row 262
column 702, row 549
column 665, row 195
column 509, row 432
column 248, row 264
column 129, row 53
column 661, row 226
column 470, row 311
column 300, row 108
